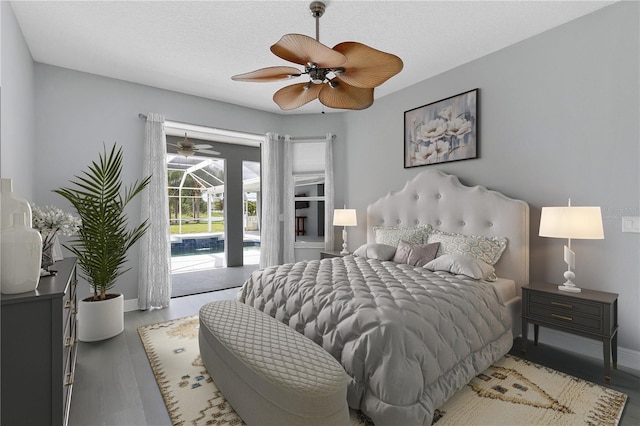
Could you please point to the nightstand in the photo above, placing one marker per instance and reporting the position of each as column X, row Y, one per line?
column 328, row 254
column 590, row 313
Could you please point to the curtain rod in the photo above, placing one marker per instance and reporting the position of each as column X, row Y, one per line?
column 293, row 138
column 307, row 138
column 182, row 125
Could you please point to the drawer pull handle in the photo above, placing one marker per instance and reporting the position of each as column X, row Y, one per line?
column 564, row 305
column 562, row 317
column 69, row 379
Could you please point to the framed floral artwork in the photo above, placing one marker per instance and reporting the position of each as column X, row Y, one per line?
column 442, row 131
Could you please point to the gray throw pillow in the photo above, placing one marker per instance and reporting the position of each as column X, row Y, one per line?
column 415, row 254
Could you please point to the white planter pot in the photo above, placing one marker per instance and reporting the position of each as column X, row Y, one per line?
column 100, row 320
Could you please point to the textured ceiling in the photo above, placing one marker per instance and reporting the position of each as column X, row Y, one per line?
column 195, row 47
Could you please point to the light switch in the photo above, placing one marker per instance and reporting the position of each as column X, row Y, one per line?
column 630, row 224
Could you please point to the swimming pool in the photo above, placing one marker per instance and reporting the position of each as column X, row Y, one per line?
column 186, row 245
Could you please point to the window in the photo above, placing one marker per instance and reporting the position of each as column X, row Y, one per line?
column 308, row 189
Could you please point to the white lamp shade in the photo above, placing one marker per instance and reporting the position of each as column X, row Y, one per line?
column 571, row 222
column 344, row 217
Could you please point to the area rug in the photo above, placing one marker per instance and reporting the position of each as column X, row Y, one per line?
column 511, row 392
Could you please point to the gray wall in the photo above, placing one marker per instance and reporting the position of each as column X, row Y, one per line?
column 558, row 118
column 17, row 150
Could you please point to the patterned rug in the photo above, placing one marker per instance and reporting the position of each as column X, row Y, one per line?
column 511, row 392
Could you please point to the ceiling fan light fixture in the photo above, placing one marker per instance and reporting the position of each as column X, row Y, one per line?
column 185, row 152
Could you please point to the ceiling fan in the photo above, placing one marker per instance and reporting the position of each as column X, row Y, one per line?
column 187, row 148
column 343, row 77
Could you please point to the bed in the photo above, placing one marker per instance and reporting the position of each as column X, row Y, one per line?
column 409, row 336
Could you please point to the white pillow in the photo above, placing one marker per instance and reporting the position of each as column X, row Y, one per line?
column 463, row 264
column 392, row 235
column 487, row 249
column 375, row 251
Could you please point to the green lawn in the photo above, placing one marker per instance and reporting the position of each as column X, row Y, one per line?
column 192, row 228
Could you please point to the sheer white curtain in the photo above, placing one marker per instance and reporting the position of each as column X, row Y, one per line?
column 289, row 203
column 154, row 271
column 270, row 229
column 329, row 235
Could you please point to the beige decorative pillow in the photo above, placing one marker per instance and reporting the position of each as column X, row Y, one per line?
column 487, row 249
column 415, row 254
column 391, row 235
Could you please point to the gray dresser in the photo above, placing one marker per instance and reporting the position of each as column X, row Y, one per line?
column 39, row 347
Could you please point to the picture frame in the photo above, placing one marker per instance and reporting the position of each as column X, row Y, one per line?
column 442, row 131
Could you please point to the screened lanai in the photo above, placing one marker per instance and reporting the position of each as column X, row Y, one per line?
column 196, row 209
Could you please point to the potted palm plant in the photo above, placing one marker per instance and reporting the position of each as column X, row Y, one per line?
column 102, row 242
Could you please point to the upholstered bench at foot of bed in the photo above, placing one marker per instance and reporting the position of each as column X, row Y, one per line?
column 269, row 373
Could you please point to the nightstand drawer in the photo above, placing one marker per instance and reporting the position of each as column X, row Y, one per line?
column 565, row 318
column 565, row 304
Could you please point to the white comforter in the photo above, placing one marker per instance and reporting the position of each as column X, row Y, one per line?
column 409, row 337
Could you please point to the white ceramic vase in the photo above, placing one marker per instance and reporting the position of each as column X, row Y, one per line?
column 21, row 256
column 100, row 320
column 12, row 204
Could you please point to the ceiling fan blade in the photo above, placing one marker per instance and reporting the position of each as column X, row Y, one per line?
column 206, row 151
column 202, row 146
column 345, row 96
column 296, row 95
column 367, row 67
column 264, row 75
column 301, row 49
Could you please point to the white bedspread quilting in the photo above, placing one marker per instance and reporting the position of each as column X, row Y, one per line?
column 408, row 337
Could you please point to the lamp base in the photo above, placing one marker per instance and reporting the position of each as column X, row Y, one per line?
column 568, row 284
column 570, row 288
column 344, row 251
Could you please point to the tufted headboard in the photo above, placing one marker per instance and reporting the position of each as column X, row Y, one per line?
column 439, row 199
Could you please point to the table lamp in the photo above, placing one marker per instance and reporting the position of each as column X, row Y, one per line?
column 571, row 222
column 344, row 217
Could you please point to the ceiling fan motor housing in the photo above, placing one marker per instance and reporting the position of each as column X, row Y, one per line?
column 317, row 9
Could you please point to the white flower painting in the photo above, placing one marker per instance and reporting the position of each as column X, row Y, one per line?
column 442, row 131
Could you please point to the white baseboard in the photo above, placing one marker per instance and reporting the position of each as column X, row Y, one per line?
column 584, row 346
column 131, row 305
